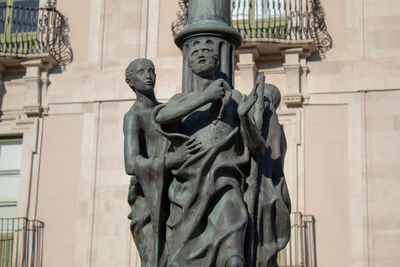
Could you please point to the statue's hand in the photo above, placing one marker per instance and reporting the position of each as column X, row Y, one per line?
column 260, row 81
column 190, row 147
column 175, row 159
column 247, row 103
column 215, row 91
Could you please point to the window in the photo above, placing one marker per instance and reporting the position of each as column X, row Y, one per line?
column 261, row 18
column 240, row 9
column 18, row 23
column 270, row 8
column 10, row 164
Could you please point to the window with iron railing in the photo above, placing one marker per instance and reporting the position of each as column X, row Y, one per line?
column 270, row 9
column 14, row 15
column 273, row 21
column 242, row 9
column 260, row 18
column 28, row 29
column 282, row 20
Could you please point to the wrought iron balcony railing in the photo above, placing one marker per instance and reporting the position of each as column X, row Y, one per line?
column 273, row 21
column 33, row 31
column 301, row 249
column 291, row 20
column 21, row 242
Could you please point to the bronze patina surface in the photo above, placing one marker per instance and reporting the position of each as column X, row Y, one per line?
column 207, row 186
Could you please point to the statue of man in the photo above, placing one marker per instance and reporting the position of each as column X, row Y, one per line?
column 148, row 160
column 208, row 215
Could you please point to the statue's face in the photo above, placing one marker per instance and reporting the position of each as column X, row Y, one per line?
column 202, row 60
column 142, row 77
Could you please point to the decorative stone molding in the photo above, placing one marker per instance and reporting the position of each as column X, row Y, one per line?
column 273, row 50
column 33, row 84
column 33, row 73
column 293, row 100
column 33, row 110
column 294, row 68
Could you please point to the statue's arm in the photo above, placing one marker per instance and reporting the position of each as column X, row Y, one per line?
column 179, row 106
column 251, row 134
column 131, row 143
column 182, row 105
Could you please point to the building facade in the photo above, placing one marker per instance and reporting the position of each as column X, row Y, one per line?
column 63, row 98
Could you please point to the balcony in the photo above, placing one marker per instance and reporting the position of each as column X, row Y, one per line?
column 32, row 33
column 21, row 242
column 272, row 26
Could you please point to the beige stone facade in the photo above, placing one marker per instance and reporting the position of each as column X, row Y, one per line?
column 341, row 116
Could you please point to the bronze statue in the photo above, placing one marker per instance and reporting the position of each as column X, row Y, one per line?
column 206, row 192
column 148, row 160
column 207, row 185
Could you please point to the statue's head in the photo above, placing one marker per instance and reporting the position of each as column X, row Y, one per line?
column 140, row 75
column 273, row 93
column 202, row 58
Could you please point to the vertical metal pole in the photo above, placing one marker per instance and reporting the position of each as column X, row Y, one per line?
column 17, row 248
column 1, row 241
column 27, row 242
column 301, row 247
column 12, row 240
column 306, row 245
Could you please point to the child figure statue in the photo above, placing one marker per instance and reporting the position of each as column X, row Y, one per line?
column 148, row 159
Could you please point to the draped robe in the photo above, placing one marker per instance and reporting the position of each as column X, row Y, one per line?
column 224, row 201
column 208, row 216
